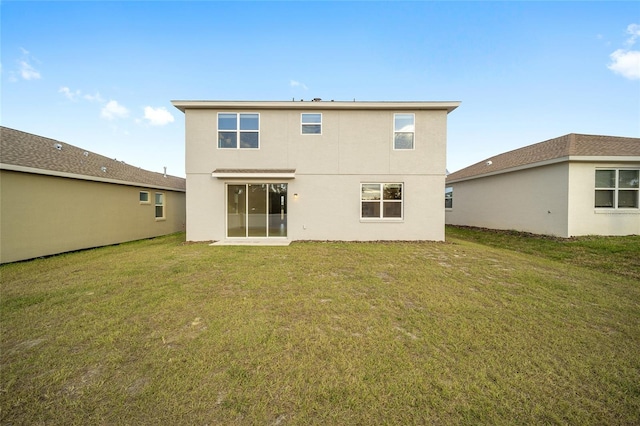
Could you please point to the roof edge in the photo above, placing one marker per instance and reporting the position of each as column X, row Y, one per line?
column 24, row 169
column 449, row 106
column 569, row 159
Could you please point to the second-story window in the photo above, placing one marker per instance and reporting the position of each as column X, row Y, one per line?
column 311, row 124
column 403, row 131
column 238, row 130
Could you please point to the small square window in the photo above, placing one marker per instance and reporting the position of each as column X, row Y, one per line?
column 144, row 197
column 311, row 124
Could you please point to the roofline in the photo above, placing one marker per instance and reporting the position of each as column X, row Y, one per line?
column 449, row 106
column 24, row 169
column 566, row 159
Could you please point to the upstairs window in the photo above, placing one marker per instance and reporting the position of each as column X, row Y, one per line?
column 617, row 189
column 144, row 197
column 311, row 124
column 403, row 131
column 238, row 130
column 381, row 201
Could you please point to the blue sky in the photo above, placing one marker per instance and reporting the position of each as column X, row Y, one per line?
column 101, row 75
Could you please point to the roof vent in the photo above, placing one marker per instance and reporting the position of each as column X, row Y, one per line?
column 489, row 163
column 58, row 146
column 86, row 153
column 316, row 99
column 104, row 169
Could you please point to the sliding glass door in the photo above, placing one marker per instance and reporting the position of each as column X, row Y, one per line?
column 257, row 210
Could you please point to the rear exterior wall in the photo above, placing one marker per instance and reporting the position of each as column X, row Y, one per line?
column 356, row 146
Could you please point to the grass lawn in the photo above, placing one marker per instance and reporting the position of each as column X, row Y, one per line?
column 488, row 328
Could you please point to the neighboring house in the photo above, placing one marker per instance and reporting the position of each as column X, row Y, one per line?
column 56, row 197
column 315, row 170
column 569, row 186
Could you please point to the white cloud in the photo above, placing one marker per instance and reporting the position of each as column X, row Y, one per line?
column 294, row 83
column 626, row 62
column 27, row 72
column 25, row 69
column 94, row 98
column 75, row 95
column 634, row 30
column 158, row 116
column 114, row 110
column 69, row 94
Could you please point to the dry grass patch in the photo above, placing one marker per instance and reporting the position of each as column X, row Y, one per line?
column 161, row 332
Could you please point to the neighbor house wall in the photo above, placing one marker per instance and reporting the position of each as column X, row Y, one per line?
column 584, row 218
column 355, row 147
column 531, row 200
column 42, row 215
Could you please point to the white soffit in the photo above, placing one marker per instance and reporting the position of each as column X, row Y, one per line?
column 254, row 173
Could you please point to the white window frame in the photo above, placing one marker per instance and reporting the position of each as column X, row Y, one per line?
column 237, row 130
column 304, row 124
column 381, row 202
column 396, row 132
column 148, row 200
column 162, row 204
column 615, row 189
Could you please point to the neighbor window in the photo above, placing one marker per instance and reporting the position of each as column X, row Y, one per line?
column 144, row 197
column 448, row 197
column 403, row 131
column 617, row 188
column 381, row 201
column 159, row 205
column 238, row 130
column 311, row 124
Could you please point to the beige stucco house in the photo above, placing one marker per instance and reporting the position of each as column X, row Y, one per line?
column 315, row 170
column 55, row 198
column 568, row 186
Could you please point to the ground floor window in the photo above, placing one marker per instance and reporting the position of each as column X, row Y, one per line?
column 159, row 205
column 257, row 210
column 381, row 200
column 448, row 197
column 617, row 188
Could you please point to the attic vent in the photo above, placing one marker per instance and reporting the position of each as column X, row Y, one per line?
column 86, row 153
column 316, row 99
column 58, row 146
column 104, row 169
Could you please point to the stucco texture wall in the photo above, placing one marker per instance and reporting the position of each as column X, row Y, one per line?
column 531, row 200
column 354, row 147
column 584, row 218
column 43, row 215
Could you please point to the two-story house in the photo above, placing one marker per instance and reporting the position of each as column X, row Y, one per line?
column 315, row 170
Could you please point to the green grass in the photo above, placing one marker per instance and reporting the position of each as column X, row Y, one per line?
column 472, row 331
column 614, row 255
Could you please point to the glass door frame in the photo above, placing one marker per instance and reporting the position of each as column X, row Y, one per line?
column 275, row 222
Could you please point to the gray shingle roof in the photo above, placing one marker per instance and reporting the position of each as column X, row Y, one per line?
column 571, row 145
column 30, row 151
